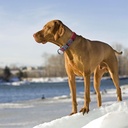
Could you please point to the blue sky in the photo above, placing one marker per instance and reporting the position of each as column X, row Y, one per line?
column 104, row 20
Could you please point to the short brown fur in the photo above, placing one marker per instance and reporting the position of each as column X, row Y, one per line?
column 82, row 58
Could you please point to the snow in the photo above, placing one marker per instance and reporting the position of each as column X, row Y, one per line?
column 112, row 119
column 49, row 80
column 114, row 115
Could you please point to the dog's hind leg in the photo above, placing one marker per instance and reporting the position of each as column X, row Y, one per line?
column 115, row 78
column 113, row 70
column 98, row 73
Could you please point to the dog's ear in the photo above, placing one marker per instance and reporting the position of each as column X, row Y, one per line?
column 58, row 30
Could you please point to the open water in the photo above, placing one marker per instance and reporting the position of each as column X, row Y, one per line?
column 30, row 91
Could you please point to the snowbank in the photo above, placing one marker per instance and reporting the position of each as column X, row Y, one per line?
column 113, row 116
column 110, row 120
column 49, row 80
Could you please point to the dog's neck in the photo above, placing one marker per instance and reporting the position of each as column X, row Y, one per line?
column 68, row 34
column 63, row 40
column 62, row 49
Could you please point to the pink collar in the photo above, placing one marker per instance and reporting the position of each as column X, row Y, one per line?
column 66, row 46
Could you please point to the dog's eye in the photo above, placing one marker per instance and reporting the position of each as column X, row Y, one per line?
column 49, row 28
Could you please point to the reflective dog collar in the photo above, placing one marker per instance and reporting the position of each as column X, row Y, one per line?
column 64, row 47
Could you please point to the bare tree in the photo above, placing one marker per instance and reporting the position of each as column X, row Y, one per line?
column 54, row 66
column 122, row 59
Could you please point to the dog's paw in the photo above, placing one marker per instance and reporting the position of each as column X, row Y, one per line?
column 84, row 110
column 72, row 113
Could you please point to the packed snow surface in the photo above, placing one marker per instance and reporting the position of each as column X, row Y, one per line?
column 113, row 116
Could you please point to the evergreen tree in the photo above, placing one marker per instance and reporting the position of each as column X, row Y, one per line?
column 7, row 74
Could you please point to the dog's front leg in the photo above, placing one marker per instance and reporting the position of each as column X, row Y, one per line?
column 87, row 93
column 72, row 86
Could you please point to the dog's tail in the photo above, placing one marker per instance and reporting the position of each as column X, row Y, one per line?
column 118, row 53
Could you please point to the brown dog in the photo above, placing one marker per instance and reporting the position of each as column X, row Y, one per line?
column 82, row 58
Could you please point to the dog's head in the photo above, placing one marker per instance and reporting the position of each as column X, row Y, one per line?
column 51, row 32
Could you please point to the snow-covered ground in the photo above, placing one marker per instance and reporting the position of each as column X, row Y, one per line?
column 111, row 115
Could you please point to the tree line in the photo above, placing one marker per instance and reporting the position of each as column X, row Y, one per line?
column 54, row 66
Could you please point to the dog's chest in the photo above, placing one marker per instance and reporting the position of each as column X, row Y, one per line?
column 77, row 67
